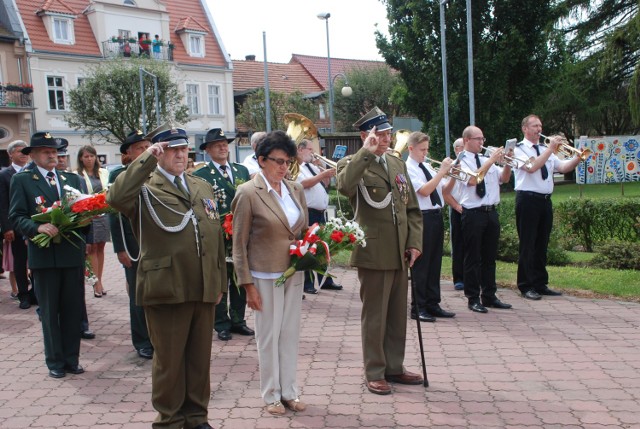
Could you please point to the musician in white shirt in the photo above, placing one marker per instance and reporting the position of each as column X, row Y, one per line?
column 250, row 161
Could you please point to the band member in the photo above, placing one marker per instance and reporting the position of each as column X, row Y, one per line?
column 480, row 223
column 534, row 211
column 428, row 185
column 389, row 212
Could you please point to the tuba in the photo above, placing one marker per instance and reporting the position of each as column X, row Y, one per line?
column 300, row 127
column 401, row 143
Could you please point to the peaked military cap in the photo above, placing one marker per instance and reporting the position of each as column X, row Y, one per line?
column 375, row 117
column 44, row 139
column 133, row 137
column 176, row 137
column 215, row 135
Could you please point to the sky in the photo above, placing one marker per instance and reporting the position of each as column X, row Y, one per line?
column 292, row 27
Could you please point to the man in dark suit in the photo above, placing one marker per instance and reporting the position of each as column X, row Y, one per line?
column 126, row 247
column 18, row 245
column 226, row 176
column 379, row 186
column 58, row 270
column 181, row 274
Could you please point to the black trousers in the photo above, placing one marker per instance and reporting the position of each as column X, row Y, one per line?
column 315, row 216
column 19, row 251
column 230, row 311
column 138, row 322
column 426, row 269
column 457, row 246
column 481, row 231
column 534, row 220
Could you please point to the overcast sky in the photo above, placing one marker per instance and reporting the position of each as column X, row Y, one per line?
column 292, row 27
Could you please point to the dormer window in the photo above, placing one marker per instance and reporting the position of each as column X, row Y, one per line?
column 196, row 45
column 192, row 34
column 58, row 19
column 62, row 30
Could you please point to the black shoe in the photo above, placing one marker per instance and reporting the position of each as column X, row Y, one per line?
column 224, row 335
column 146, row 353
column 24, row 304
column 332, row 286
column 496, row 303
column 56, row 373
column 531, row 294
column 311, row 291
column 437, row 311
column 242, row 330
column 203, row 426
column 477, row 307
column 549, row 292
column 74, row 369
column 87, row 335
column 424, row 316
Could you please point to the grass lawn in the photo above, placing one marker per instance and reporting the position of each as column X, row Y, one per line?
column 562, row 192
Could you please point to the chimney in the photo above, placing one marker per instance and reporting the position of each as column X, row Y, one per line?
column 250, row 57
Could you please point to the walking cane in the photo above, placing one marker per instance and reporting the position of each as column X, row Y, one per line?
column 413, row 297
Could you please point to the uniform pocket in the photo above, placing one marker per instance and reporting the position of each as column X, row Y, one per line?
column 158, row 278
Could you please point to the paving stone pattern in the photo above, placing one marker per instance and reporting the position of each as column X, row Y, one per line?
column 562, row 362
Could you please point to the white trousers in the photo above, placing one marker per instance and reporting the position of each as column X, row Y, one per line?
column 277, row 337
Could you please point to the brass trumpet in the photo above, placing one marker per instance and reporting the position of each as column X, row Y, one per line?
column 566, row 150
column 511, row 161
column 329, row 163
column 457, row 172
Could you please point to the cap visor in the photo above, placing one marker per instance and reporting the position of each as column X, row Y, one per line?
column 384, row 126
column 178, row 143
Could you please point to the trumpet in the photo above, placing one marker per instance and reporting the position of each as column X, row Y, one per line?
column 566, row 150
column 456, row 172
column 511, row 161
column 329, row 163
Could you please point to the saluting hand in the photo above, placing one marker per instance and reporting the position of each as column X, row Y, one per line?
column 157, row 149
column 371, row 142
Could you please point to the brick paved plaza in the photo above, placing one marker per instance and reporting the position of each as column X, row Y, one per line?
column 563, row 362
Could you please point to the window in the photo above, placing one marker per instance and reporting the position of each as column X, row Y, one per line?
column 81, row 80
column 55, row 88
column 214, row 100
column 196, row 46
column 61, row 30
column 192, row 99
column 129, row 3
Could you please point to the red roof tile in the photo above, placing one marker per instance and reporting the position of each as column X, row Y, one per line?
column 285, row 78
column 190, row 23
column 58, row 6
column 317, row 67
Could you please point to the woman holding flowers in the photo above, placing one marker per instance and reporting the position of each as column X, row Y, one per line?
column 269, row 214
column 96, row 179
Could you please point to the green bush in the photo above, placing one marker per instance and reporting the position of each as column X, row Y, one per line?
column 619, row 255
column 596, row 221
column 341, row 203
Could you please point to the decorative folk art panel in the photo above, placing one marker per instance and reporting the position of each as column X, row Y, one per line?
column 615, row 159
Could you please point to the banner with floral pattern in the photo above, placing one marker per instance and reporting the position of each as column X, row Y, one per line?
column 615, row 159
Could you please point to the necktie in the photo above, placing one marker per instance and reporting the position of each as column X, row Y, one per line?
column 224, row 173
column 180, row 186
column 383, row 163
column 481, row 189
column 543, row 170
column 435, row 198
column 51, row 178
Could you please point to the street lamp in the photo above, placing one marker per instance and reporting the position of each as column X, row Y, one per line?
column 142, row 72
column 325, row 17
column 346, row 91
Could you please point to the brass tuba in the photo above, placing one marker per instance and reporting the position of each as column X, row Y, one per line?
column 401, row 143
column 300, row 127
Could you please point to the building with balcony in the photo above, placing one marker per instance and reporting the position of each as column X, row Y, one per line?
column 64, row 37
column 16, row 103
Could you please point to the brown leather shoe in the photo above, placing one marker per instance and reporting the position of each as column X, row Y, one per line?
column 406, row 378
column 277, row 409
column 379, row 387
column 294, row 404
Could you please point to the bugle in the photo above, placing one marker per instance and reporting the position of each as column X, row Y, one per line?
column 566, row 150
column 329, row 163
column 456, row 172
column 511, row 161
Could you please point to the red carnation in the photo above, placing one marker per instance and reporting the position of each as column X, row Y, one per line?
column 337, row 236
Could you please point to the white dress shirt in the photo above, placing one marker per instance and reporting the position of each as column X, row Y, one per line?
column 251, row 162
column 228, row 168
column 533, row 182
column 44, row 174
column 418, row 180
column 469, row 199
column 316, row 196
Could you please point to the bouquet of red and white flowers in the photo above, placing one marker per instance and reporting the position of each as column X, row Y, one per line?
column 75, row 210
column 320, row 243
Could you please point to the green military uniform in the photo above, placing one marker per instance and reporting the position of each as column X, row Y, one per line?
column 232, row 315
column 181, row 273
column 382, row 267
column 58, row 270
column 124, row 240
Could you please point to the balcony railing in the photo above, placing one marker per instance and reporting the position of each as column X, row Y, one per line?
column 12, row 97
column 125, row 48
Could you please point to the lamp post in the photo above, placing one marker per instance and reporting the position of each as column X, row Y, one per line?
column 142, row 72
column 346, row 91
column 325, row 17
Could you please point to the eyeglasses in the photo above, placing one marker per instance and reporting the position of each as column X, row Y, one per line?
column 478, row 138
column 281, row 161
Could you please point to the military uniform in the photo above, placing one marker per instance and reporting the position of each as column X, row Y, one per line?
column 181, row 273
column 382, row 267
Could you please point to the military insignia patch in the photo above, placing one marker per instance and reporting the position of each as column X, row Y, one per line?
column 403, row 187
column 210, row 208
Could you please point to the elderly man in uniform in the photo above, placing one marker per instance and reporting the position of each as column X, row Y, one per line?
column 126, row 248
column 181, row 275
column 226, row 177
column 58, row 270
column 379, row 186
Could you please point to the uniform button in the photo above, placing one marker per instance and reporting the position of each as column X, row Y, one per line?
column 291, row 237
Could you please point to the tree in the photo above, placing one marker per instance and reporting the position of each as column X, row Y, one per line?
column 372, row 87
column 107, row 106
column 252, row 112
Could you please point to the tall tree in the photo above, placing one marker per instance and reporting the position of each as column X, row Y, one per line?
column 252, row 112
column 513, row 56
column 107, row 104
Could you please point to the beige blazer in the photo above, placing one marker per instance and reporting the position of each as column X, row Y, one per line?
column 261, row 232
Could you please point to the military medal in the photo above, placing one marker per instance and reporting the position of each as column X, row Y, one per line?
column 210, row 208
column 403, row 187
column 39, row 200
